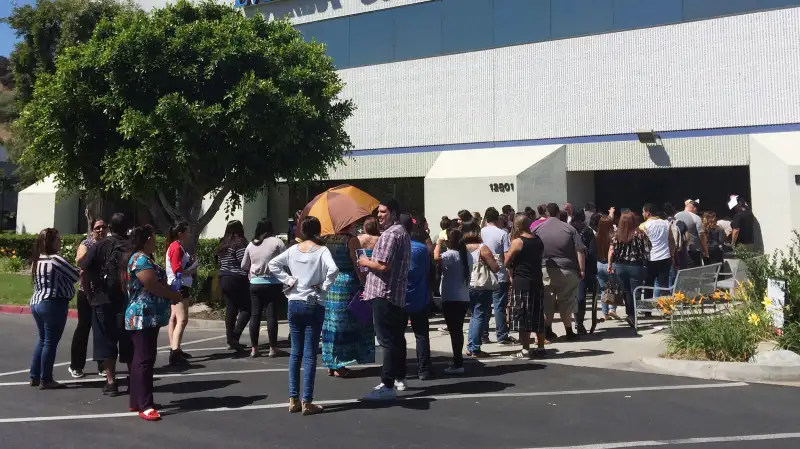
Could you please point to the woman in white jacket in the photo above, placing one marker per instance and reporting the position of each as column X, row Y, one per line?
column 307, row 271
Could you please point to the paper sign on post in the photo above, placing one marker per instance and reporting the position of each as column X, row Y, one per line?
column 776, row 292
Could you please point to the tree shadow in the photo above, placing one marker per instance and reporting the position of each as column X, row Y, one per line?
column 204, row 403
column 194, row 386
column 422, row 398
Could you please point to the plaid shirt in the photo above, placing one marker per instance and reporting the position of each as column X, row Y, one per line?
column 393, row 249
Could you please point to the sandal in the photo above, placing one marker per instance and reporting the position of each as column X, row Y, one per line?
column 524, row 354
column 150, row 415
column 613, row 315
column 342, row 373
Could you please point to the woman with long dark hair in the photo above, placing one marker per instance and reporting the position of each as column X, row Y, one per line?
column 266, row 292
column 716, row 238
column 480, row 299
column 605, row 232
column 80, row 339
column 456, row 265
column 234, row 283
column 53, row 288
column 628, row 255
column 308, row 272
column 345, row 340
column 148, row 310
column 180, row 268
column 524, row 258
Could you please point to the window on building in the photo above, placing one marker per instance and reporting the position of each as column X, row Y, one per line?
column 704, row 9
column 371, row 38
column 631, row 14
column 335, row 34
column 467, row 25
column 580, row 17
column 521, row 21
column 417, row 31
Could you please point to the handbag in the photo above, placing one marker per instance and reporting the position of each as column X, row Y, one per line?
column 361, row 310
column 481, row 277
column 613, row 295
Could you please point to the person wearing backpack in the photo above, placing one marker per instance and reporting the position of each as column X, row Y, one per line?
column 103, row 266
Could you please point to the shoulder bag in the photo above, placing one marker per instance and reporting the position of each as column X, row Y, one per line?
column 481, row 277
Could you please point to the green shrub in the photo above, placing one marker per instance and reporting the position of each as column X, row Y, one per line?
column 790, row 338
column 20, row 246
column 10, row 265
column 731, row 336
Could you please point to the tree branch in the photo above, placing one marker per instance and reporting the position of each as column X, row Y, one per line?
column 213, row 208
column 175, row 214
column 156, row 211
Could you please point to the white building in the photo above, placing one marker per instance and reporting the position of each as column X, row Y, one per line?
column 454, row 96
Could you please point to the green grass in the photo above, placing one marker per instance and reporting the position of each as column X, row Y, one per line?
column 16, row 289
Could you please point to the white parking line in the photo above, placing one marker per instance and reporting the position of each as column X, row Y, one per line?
column 651, row 443
column 515, row 395
column 23, row 371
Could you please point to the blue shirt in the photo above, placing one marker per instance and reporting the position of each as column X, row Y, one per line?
column 417, row 295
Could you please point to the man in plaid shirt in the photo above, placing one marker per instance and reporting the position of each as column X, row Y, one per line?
column 386, row 286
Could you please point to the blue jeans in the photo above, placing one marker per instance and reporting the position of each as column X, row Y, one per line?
column 500, row 300
column 480, row 301
column 305, row 327
column 50, row 316
column 602, row 280
column 630, row 277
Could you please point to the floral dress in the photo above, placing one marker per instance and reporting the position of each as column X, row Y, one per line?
column 144, row 310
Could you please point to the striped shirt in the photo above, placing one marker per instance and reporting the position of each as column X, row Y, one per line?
column 54, row 278
column 393, row 249
column 230, row 261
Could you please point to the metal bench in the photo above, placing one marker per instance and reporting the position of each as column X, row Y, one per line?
column 736, row 273
column 692, row 282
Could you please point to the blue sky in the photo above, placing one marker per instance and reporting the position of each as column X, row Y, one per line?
column 7, row 37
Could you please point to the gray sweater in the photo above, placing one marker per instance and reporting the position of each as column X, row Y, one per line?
column 256, row 258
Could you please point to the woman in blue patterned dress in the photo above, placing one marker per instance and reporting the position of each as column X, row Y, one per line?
column 149, row 300
column 345, row 340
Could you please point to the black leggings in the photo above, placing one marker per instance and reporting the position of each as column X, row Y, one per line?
column 236, row 291
column 265, row 296
column 454, row 313
column 80, row 339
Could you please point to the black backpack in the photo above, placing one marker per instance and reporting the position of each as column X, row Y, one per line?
column 112, row 269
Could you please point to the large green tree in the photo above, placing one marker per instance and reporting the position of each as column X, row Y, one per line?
column 185, row 102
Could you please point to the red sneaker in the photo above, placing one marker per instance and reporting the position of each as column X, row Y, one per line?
column 150, row 415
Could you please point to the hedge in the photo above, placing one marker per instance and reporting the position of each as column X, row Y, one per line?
column 21, row 245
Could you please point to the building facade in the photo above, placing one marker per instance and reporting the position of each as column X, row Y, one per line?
column 455, row 96
column 477, row 103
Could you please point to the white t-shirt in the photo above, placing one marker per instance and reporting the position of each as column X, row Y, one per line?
column 658, row 231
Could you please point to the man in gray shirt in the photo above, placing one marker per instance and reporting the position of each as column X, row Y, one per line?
column 695, row 234
column 496, row 239
column 563, row 267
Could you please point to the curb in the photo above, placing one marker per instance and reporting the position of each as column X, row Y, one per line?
column 26, row 310
column 743, row 372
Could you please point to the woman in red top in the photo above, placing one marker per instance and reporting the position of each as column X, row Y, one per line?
column 179, row 264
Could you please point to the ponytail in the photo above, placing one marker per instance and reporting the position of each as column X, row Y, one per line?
column 174, row 232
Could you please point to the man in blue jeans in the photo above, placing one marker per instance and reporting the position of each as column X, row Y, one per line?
column 496, row 239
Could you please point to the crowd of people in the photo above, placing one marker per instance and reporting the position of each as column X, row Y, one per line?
column 344, row 290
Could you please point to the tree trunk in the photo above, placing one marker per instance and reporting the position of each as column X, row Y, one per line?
column 93, row 209
column 190, row 209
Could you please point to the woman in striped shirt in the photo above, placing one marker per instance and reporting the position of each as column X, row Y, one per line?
column 53, row 287
column 234, row 283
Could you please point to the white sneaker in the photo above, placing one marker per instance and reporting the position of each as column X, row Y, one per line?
column 401, row 385
column 381, row 393
column 75, row 373
column 453, row 371
column 444, row 330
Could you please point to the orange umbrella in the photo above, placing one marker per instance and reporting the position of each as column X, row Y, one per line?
column 339, row 207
